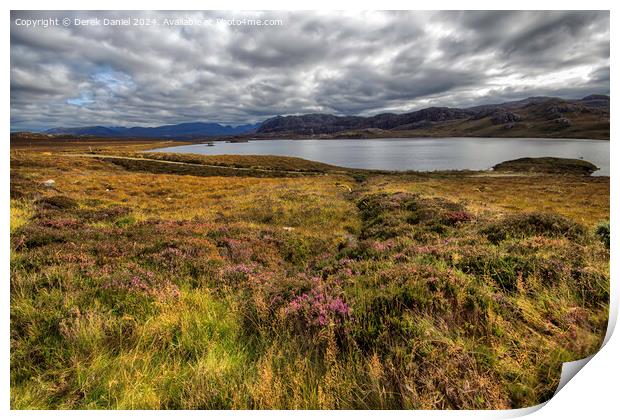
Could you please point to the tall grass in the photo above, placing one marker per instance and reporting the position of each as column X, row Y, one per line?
column 139, row 290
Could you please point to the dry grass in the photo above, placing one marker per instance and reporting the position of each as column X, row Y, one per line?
column 135, row 289
column 584, row 199
column 244, row 161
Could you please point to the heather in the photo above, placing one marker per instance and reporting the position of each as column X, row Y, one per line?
column 140, row 285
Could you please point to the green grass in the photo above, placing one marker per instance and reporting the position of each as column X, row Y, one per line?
column 21, row 211
column 136, row 288
column 185, row 355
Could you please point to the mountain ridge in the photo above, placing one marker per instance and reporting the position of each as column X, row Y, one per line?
column 176, row 131
column 536, row 116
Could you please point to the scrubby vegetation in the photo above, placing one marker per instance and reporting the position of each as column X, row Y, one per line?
column 138, row 288
column 603, row 232
column 276, row 163
column 547, row 165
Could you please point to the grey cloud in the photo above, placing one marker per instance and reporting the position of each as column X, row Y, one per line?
column 345, row 63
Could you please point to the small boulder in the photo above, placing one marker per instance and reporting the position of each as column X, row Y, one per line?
column 50, row 183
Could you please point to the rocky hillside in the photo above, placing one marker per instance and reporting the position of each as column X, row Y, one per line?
column 533, row 117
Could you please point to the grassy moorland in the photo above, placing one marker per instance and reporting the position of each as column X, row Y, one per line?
column 157, row 281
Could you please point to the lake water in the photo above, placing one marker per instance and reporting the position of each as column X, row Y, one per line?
column 420, row 154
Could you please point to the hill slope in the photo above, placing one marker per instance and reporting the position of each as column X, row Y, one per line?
column 532, row 117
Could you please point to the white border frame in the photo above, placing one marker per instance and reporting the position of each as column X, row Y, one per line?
column 591, row 393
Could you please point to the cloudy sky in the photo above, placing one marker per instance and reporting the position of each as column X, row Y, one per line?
column 306, row 62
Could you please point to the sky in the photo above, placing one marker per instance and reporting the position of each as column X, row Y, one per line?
column 171, row 67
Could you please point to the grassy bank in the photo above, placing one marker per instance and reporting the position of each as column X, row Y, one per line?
column 141, row 284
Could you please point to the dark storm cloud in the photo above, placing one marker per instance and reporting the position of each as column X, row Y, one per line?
column 345, row 63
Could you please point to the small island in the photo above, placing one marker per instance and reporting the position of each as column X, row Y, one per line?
column 547, row 165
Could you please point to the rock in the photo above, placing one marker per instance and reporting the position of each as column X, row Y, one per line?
column 49, row 183
column 503, row 117
column 288, row 228
column 564, row 122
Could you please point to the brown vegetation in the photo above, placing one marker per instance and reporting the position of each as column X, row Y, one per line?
column 147, row 286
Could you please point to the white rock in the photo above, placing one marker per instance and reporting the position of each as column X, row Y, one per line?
column 288, row 228
column 49, row 183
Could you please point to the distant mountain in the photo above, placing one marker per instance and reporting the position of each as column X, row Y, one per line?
column 176, row 131
column 539, row 116
column 98, row 131
column 532, row 117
